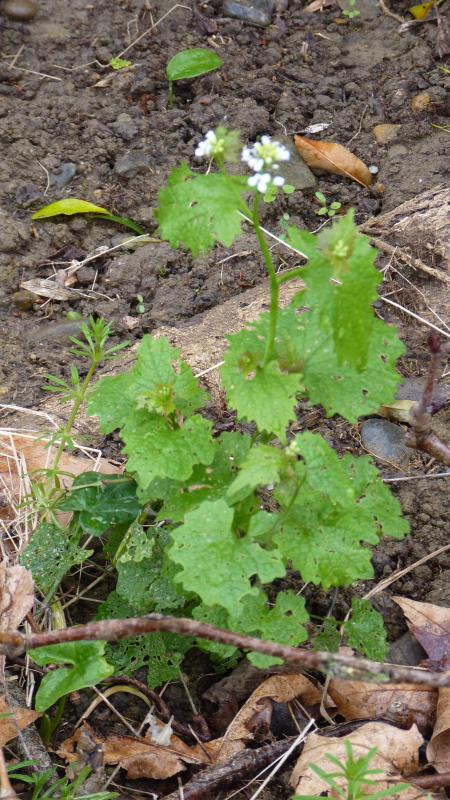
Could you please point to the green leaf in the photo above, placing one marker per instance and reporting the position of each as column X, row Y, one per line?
column 159, row 381
column 160, row 654
column 196, row 211
column 119, row 63
column 216, row 564
column 144, row 578
column 156, row 450
column 192, row 63
column 283, row 623
column 328, row 638
column 365, row 631
column 88, row 667
column 263, row 394
column 330, row 511
column 262, row 467
column 218, row 617
column 103, row 501
column 206, row 482
column 348, row 354
column 68, row 206
column 50, row 555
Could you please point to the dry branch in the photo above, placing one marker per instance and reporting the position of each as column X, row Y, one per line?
column 339, row 666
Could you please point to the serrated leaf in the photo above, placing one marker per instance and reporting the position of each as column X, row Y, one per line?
column 335, row 507
column 68, row 206
column 283, row 623
column 260, row 393
column 365, row 631
column 216, row 564
column 156, row 450
column 192, row 63
column 102, row 501
column 205, row 483
column 158, row 376
column 144, row 578
column 196, row 211
column 88, row 667
column 262, row 467
column 219, row 617
column 50, row 555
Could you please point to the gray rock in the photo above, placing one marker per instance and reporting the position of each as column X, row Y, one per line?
column 63, row 175
column 256, row 12
column 296, row 172
column 385, row 441
column 13, row 234
column 126, row 127
column 131, row 163
column 56, row 332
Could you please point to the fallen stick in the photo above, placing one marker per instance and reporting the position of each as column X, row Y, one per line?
column 338, row 666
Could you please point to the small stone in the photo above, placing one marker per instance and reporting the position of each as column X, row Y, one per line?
column 63, row 175
column 385, row 133
column 14, row 234
column 385, row 441
column 255, row 12
column 57, row 332
column 24, row 299
column 421, row 102
column 20, row 10
column 126, row 127
column 85, row 276
column 295, row 171
column 131, row 164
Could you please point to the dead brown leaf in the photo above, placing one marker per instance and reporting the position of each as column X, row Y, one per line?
column 16, row 595
column 333, row 157
column 397, row 756
column 11, row 726
column 385, row 132
column 430, row 625
column 402, row 704
column 318, row 5
column 141, row 757
column 280, row 689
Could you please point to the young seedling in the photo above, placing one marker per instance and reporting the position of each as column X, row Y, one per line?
column 190, row 64
column 325, row 209
column 351, row 12
column 140, row 308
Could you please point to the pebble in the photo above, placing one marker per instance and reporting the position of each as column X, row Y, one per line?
column 63, row 175
column 20, row 10
column 126, row 127
column 15, row 234
column 56, row 331
column 131, row 163
column 385, row 441
column 255, row 12
column 24, row 299
column 295, row 171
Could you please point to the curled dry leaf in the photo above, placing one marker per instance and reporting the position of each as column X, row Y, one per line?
column 430, row 625
column 333, row 157
column 318, row 5
column 385, row 132
column 403, row 704
column 280, row 689
column 397, row 757
column 16, row 721
column 141, row 757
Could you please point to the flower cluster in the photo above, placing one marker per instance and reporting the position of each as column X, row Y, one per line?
column 263, row 158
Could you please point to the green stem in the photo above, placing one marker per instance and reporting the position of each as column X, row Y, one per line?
column 290, row 275
column 78, row 401
column 273, row 283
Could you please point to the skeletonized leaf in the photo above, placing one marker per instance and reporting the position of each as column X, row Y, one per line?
column 333, row 157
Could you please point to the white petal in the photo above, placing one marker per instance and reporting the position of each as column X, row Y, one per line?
column 253, row 181
column 210, row 136
column 278, row 180
column 265, row 139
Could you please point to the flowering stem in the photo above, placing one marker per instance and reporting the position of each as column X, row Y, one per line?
column 273, row 282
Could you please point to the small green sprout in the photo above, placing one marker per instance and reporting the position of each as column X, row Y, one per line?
column 119, row 63
column 351, row 12
column 140, row 306
column 272, row 191
column 190, row 63
column 325, row 209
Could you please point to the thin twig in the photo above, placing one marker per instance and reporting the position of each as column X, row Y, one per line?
column 421, row 436
column 114, row 629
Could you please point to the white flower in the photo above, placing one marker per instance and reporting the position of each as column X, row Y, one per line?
column 208, row 146
column 278, row 180
column 265, row 154
column 260, row 181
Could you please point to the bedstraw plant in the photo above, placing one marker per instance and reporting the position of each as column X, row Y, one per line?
column 202, row 524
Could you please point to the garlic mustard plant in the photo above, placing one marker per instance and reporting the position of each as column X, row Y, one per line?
column 202, row 524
